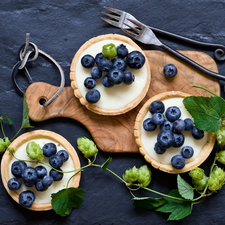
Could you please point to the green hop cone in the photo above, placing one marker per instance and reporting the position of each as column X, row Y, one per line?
column 221, row 157
column 131, row 175
column 214, row 184
column 87, row 147
column 219, row 174
column 145, row 176
column 200, row 184
column 197, row 173
column 34, row 151
column 109, row 51
column 4, row 144
column 220, row 136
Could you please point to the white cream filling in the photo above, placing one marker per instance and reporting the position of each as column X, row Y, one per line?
column 117, row 96
column 43, row 196
column 150, row 138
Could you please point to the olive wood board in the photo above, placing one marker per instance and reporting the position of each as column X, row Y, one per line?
column 116, row 133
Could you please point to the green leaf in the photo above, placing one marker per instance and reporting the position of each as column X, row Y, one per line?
column 105, row 165
column 148, row 202
column 25, row 120
column 185, row 189
column 66, row 199
column 9, row 120
column 206, row 111
column 178, row 208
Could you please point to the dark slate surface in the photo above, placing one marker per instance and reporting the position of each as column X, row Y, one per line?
column 60, row 28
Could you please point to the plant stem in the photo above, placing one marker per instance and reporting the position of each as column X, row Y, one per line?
column 16, row 133
column 206, row 89
column 2, row 128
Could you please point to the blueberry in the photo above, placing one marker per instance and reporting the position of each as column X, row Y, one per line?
column 167, row 126
column 196, row 133
column 41, row 171
column 105, row 65
column 120, row 64
column 135, row 60
column 173, row 113
column 187, row 152
column 17, row 168
column 49, row 149
column 156, row 107
column 26, row 199
column 96, row 73
column 178, row 161
column 115, row 76
column 106, row 83
column 89, row 83
column 55, row 161
column 93, row 96
column 122, row 51
column 98, row 57
column 178, row 126
column 39, row 185
column 29, row 176
column 165, row 139
column 149, row 125
column 29, row 184
column 47, row 181
column 14, row 184
column 128, row 77
column 158, row 149
column 178, row 140
column 170, row 70
column 158, row 118
column 57, row 176
column 64, row 154
column 188, row 124
column 87, row 61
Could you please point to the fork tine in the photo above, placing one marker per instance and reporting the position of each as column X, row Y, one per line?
column 132, row 28
column 116, row 11
column 133, row 35
column 114, row 23
column 140, row 25
column 112, row 16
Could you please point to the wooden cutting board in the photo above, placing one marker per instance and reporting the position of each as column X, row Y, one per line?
column 115, row 133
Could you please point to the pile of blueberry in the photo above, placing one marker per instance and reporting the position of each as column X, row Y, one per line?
column 115, row 69
column 37, row 176
column 171, row 127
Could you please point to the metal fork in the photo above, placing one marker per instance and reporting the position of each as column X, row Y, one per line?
column 121, row 18
column 145, row 35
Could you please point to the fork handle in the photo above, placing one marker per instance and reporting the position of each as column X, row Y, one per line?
column 219, row 53
column 192, row 63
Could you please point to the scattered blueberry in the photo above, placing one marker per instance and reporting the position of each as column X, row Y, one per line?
column 29, row 176
column 92, row 96
column 105, row 65
column 128, row 77
column 158, row 118
column 149, row 125
column 98, row 57
column 89, row 83
column 87, row 61
column 26, row 199
column 106, row 83
column 165, row 139
column 178, row 125
column 119, row 63
column 187, row 152
column 39, row 185
column 167, row 126
column 96, row 73
column 135, row 59
column 29, row 184
column 49, row 149
column 14, row 184
column 173, row 113
column 47, row 181
column 55, row 161
column 196, row 133
column 158, row 149
column 64, row 154
column 57, row 176
column 41, row 171
column 156, row 107
column 122, row 51
column 188, row 124
column 115, row 76
column 17, row 168
column 170, row 70
column 178, row 161
column 178, row 140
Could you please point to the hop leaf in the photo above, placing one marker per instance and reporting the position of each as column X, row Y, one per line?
column 34, row 151
column 87, row 147
column 145, row 176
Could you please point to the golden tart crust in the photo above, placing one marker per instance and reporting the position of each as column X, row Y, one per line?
column 92, row 107
column 204, row 153
column 31, row 136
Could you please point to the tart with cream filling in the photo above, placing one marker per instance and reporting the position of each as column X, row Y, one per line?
column 146, row 140
column 120, row 98
column 43, row 198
